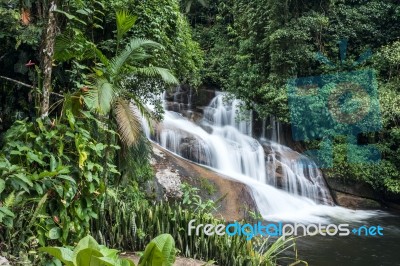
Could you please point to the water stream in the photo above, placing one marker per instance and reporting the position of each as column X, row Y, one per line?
column 285, row 185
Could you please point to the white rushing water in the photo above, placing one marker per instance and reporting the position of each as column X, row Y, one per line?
column 286, row 186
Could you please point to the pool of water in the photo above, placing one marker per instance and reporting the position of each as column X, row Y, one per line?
column 354, row 250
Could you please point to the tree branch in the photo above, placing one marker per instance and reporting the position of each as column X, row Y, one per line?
column 18, row 82
column 29, row 86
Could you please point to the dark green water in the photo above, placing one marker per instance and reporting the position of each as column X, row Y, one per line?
column 355, row 250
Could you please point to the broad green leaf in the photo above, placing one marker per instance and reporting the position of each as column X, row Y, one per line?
column 34, row 158
column 71, row 17
column 68, row 178
column 53, row 163
column 63, row 254
column 86, row 257
column 6, row 211
column 55, row 233
column 125, row 262
column 160, row 251
column 47, row 174
column 109, row 253
column 86, row 242
column 104, row 261
column 23, row 178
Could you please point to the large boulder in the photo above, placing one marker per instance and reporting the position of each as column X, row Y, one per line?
column 234, row 198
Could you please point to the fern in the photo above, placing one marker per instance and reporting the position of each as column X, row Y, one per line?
column 10, row 200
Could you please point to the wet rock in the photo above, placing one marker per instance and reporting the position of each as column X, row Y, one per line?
column 235, row 199
column 195, row 150
column 355, row 202
column 352, row 188
column 170, row 182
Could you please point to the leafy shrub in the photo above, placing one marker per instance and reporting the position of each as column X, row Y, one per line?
column 129, row 225
column 160, row 251
column 53, row 177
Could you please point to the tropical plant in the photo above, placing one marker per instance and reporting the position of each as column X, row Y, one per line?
column 107, row 92
column 160, row 251
column 130, row 225
column 87, row 252
column 192, row 200
column 53, row 176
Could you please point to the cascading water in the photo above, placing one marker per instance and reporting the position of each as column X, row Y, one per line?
column 285, row 185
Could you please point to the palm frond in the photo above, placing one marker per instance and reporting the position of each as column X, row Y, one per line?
column 62, row 49
column 134, row 47
column 125, row 22
column 142, row 109
column 129, row 126
column 164, row 73
column 101, row 96
column 99, row 54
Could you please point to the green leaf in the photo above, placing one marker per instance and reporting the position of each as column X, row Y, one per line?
column 100, row 98
column 7, row 211
column 68, row 178
column 53, row 163
column 34, row 157
column 23, row 178
column 63, row 254
column 55, row 233
column 160, row 251
column 70, row 17
column 104, row 261
column 87, row 257
column 125, row 22
column 47, row 174
column 86, row 242
column 2, row 185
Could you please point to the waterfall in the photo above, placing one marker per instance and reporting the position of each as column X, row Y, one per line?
column 285, row 184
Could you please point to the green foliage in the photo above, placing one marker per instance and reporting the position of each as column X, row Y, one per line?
column 254, row 47
column 110, row 78
column 54, row 176
column 130, row 225
column 16, row 34
column 163, row 22
column 208, row 186
column 160, row 251
column 192, row 200
column 87, row 252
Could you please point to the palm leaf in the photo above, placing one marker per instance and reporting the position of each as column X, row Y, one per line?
column 99, row 54
column 143, row 110
column 125, row 22
column 128, row 121
column 134, row 47
column 101, row 96
column 164, row 73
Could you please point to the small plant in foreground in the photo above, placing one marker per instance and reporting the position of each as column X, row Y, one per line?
column 160, row 251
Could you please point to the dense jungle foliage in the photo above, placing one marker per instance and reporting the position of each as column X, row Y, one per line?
column 75, row 80
column 254, row 48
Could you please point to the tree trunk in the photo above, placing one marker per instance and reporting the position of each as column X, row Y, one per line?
column 48, row 53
